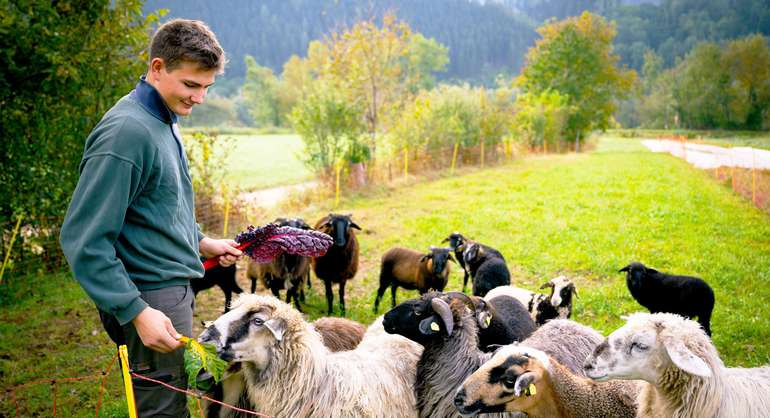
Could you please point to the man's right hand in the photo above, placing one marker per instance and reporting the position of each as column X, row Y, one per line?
column 156, row 331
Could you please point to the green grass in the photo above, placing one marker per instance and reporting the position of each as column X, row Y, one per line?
column 263, row 161
column 585, row 215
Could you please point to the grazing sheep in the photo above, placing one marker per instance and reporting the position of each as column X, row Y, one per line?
column 487, row 267
column 340, row 262
column 449, row 332
column 543, row 308
column 288, row 372
column 521, row 378
column 411, row 270
column 339, row 334
column 224, row 277
column 457, row 243
column 286, row 271
column 660, row 292
column 685, row 378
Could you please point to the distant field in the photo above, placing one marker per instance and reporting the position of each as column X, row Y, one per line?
column 755, row 139
column 262, row 161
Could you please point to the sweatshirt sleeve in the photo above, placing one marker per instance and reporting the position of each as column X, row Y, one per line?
column 108, row 183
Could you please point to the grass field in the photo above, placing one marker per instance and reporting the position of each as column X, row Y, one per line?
column 262, row 161
column 755, row 139
column 585, row 215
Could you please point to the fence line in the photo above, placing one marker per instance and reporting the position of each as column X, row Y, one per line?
column 103, row 374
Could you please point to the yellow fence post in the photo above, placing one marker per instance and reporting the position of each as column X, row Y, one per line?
column 127, row 381
column 10, row 247
column 482, row 152
column 454, row 157
column 337, row 187
column 227, row 214
column 406, row 162
column 753, row 177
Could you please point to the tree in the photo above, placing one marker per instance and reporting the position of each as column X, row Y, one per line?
column 260, row 94
column 425, row 56
column 575, row 59
column 63, row 66
column 748, row 61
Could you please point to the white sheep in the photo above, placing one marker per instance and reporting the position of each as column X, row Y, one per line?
column 684, row 374
column 521, row 378
column 289, row 372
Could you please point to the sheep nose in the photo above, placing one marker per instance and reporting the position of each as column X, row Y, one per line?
column 460, row 398
column 588, row 365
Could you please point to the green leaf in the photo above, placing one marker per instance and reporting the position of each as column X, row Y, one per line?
column 199, row 356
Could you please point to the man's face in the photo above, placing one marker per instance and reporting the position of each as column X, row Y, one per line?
column 183, row 87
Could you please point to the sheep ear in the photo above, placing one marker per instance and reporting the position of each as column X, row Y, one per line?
column 354, row 225
column 625, row 269
column 445, row 240
column 686, row 360
column 524, row 384
column 430, row 325
column 546, row 284
column 450, row 258
column 277, row 326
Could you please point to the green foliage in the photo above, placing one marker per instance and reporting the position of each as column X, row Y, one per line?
column 540, row 119
column 424, row 57
column 575, row 59
column 329, row 127
column 260, row 91
column 64, row 65
column 215, row 111
column 722, row 87
column 207, row 154
column 199, row 357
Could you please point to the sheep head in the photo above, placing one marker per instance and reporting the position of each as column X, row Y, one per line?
column 456, row 241
column 562, row 290
column 338, row 227
column 252, row 330
column 434, row 315
column 437, row 260
column 648, row 346
column 512, row 380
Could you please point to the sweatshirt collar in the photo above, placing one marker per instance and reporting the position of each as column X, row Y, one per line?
column 151, row 100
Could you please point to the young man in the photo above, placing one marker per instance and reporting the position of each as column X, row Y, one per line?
column 130, row 235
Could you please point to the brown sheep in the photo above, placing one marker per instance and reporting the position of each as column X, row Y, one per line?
column 340, row 263
column 411, row 270
column 339, row 334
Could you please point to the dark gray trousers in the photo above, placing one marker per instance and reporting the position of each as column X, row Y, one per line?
column 152, row 399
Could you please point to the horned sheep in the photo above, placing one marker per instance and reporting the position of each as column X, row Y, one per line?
column 524, row 379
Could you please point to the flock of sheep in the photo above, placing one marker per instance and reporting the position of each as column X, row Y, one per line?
column 503, row 351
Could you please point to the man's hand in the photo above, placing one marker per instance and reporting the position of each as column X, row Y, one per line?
column 156, row 331
column 224, row 247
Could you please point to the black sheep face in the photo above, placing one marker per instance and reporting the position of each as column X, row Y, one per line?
column 456, row 241
column 415, row 319
column 338, row 227
column 635, row 273
column 439, row 257
column 471, row 252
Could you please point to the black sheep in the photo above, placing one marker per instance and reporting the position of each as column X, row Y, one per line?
column 224, row 277
column 660, row 292
column 503, row 320
column 340, row 263
column 457, row 243
column 411, row 270
column 487, row 267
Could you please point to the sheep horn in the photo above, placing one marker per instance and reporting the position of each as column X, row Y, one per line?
column 463, row 297
column 442, row 309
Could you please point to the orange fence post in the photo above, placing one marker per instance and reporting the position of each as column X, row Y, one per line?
column 10, row 246
column 454, row 157
column 406, row 162
column 482, row 152
column 753, row 177
column 127, row 381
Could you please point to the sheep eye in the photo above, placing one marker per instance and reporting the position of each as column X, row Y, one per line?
column 639, row 346
column 509, row 382
column 258, row 321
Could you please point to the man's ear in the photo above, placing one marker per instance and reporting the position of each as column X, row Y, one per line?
column 686, row 360
column 277, row 326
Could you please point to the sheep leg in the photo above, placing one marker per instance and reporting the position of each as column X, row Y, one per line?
column 329, row 295
column 253, row 285
column 228, row 297
column 704, row 319
column 465, row 279
column 342, row 298
column 380, row 292
column 291, row 294
column 393, row 289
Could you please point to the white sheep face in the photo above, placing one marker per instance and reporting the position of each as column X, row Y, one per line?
column 642, row 349
column 246, row 333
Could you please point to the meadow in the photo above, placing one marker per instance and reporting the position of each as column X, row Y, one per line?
column 262, row 161
column 584, row 215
